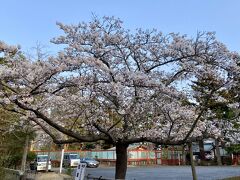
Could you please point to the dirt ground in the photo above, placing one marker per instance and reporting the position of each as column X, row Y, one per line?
column 52, row 176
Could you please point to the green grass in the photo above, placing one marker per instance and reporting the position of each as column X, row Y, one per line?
column 2, row 173
column 232, row 178
column 69, row 171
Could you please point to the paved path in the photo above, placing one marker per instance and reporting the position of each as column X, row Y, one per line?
column 169, row 172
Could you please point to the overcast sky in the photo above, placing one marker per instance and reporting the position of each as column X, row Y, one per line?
column 25, row 22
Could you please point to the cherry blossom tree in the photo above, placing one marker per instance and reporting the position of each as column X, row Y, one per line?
column 118, row 86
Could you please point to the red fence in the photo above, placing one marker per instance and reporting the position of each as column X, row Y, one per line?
column 236, row 159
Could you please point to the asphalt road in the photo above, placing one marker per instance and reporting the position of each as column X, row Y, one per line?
column 169, row 172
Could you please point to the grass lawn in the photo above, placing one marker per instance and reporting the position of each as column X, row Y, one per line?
column 232, row 178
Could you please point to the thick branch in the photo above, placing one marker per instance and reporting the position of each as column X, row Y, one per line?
column 159, row 141
column 104, row 132
column 54, row 138
column 62, row 129
column 34, row 90
column 170, row 61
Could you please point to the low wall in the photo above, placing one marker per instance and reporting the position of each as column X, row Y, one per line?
column 12, row 174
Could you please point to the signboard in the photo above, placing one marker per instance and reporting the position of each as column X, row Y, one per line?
column 80, row 173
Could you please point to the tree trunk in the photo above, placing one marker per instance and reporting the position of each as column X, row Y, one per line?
column 121, row 161
column 218, row 155
column 201, row 151
column 192, row 162
column 25, row 152
column 183, row 155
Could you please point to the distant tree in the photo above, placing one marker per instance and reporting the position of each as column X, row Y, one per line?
column 120, row 87
column 15, row 136
column 233, row 149
column 223, row 106
column 16, row 132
